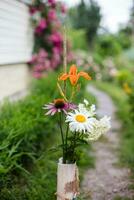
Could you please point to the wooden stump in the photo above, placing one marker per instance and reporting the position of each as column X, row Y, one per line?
column 67, row 181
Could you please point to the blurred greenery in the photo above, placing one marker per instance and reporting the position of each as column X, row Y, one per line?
column 86, row 16
column 124, row 75
column 77, row 38
column 107, row 45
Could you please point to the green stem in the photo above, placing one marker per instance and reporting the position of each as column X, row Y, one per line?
column 66, row 144
column 62, row 135
column 65, row 56
column 72, row 93
column 74, row 145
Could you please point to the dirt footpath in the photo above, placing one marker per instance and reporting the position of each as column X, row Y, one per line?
column 107, row 180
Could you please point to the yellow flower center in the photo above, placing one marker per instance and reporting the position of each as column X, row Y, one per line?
column 80, row 118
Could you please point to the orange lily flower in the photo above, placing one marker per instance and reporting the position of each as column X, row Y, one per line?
column 74, row 76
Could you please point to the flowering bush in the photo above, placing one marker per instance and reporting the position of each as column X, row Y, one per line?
column 100, row 69
column 78, row 123
column 83, row 58
column 48, row 39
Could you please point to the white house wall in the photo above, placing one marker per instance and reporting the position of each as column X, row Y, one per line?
column 16, row 43
column 14, row 80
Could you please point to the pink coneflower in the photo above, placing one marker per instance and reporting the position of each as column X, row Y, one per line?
column 57, row 106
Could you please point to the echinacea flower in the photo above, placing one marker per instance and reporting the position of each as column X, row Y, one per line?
column 79, row 121
column 74, row 76
column 99, row 127
column 57, row 106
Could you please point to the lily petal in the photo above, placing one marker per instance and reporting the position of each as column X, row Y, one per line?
column 73, row 79
column 63, row 77
column 85, row 75
column 73, row 70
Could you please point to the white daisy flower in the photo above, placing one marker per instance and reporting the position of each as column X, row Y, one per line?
column 91, row 111
column 80, row 121
column 82, row 108
column 86, row 102
column 99, row 128
column 105, row 124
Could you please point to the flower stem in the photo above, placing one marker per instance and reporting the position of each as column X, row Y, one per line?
column 66, row 144
column 62, row 135
column 72, row 94
column 74, row 145
column 65, row 56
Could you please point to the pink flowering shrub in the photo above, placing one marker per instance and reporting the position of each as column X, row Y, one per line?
column 48, row 47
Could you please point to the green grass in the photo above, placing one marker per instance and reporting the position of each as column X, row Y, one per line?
column 27, row 165
column 123, row 111
column 25, row 136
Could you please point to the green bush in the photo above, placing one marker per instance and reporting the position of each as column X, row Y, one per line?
column 23, row 127
column 78, row 39
column 107, row 45
column 124, row 76
column 124, row 40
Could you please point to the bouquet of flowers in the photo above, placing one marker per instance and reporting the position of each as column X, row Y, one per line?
column 78, row 124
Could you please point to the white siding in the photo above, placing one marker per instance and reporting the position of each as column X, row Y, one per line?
column 13, row 79
column 16, row 38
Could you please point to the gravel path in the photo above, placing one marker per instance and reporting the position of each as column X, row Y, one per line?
column 107, row 180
